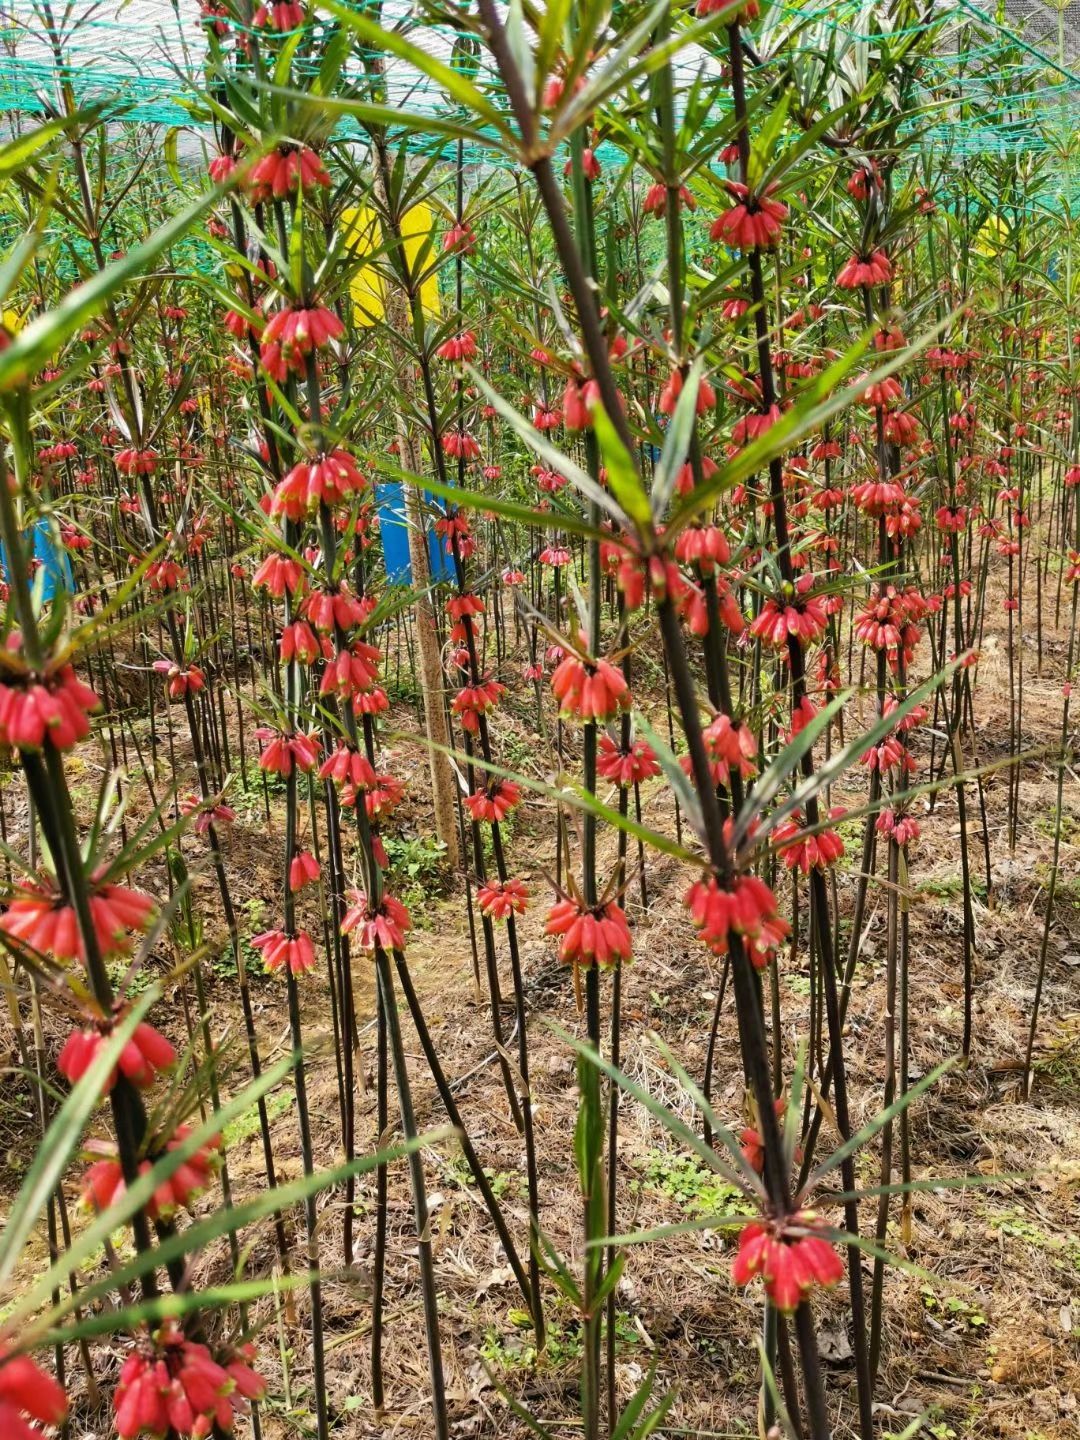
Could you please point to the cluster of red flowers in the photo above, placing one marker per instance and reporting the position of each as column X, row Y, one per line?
column 499, row 899
column 590, row 935
column 791, row 1259
column 801, row 616
column 630, row 766
column 746, row 908
column 172, row 1384
column 279, row 949
column 27, row 1394
column 284, row 171
column 142, row 1059
column 804, row 851
column 40, row 917
column 53, row 706
column 103, row 1183
column 890, row 621
column 384, row 924
column 754, row 221
column 327, row 479
column 589, row 690
column 293, row 334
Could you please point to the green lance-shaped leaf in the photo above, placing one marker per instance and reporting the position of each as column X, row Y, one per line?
column 819, row 401
column 720, row 1132
column 769, row 1379
column 744, row 1180
column 458, row 87
column 784, row 765
column 175, row 1305
column 830, row 770
column 674, row 774
column 557, row 518
column 550, row 37
column 552, row 457
column 137, row 1196
column 15, row 154
column 575, row 795
column 623, row 479
column 202, row 1233
column 676, row 442
column 39, row 341
column 878, row 1123
column 63, row 1138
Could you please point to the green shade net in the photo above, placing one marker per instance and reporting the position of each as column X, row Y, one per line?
column 986, row 89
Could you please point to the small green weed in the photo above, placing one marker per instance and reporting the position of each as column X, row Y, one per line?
column 696, row 1190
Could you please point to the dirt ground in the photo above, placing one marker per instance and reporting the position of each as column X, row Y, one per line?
column 980, row 1333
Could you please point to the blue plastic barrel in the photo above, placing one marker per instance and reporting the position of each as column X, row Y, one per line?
column 390, row 505
column 52, row 560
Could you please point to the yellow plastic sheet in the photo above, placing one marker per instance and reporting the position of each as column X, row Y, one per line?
column 363, row 235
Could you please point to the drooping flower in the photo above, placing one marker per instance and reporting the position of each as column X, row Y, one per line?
column 299, row 643
column 283, row 751
column 473, row 701
column 460, row 445
column 632, row 766
column 171, row 1383
column 656, row 199
column 39, row 917
column 705, row 546
column 752, row 426
column 458, row 347
column 746, row 908
column 135, row 462
column 284, row 171
column 328, row 479
column 898, row 826
column 142, row 1059
column 579, row 397
column 53, row 706
column 163, row 575
column 280, row 574
column 597, row 935
column 348, row 766
column 103, row 1183
column 729, row 744
column 207, row 813
column 804, row 852
column 589, row 690
column 802, row 615
column 494, row 801
column 459, row 240
column 340, row 608
column 741, row 11
column 380, row 799
column 499, row 899
column 754, row 221
column 180, row 681
column 554, row 555
column 790, row 1258
column 221, row 168
column 279, row 948
column 292, row 334
column 27, row 1391
column 669, row 395
column 876, row 497
column 384, row 925
column 303, row 870
column 865, row 270
column 279, row 15
column 352, row 671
